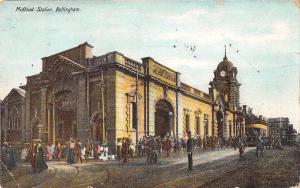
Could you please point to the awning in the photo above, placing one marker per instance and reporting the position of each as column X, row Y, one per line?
column 258, row 126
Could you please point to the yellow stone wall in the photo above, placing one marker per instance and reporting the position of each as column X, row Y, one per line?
column 192, row 106
column 156, row 92
column 125, row 83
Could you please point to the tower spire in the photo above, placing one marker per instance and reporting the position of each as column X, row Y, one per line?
column 225, row 57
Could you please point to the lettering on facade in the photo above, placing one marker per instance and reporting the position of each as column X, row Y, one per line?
column 99, row 60
column 164, row 73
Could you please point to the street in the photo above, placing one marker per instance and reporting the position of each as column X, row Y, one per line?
column 276, row 168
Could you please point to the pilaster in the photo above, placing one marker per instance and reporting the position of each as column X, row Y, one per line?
column 23, row 120
column 27, row 116
column 81, row 112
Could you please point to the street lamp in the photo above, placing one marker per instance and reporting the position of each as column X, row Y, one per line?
column 101, row 85
column 170, row 122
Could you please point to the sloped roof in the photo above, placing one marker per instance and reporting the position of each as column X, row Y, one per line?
column 19, row 91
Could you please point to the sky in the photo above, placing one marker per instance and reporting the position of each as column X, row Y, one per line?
column 262, row 39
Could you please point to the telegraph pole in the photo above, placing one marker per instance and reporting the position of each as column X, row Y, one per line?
column 53, row 113
column 102, row 106
column 137, row 105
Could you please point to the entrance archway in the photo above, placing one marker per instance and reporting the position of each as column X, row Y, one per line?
column 164, row 118
column 64, row 114
column 65, row 125
column 220, row 124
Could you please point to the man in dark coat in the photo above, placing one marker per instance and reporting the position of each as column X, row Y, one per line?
column 189, row 149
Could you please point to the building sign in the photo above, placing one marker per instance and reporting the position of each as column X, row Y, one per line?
column 162, row 73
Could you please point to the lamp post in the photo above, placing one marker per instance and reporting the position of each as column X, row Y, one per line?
column 170, row 122
column 101, row 85
column 53, row 100
column 137, row 105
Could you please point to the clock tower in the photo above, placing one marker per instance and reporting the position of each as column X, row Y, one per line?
column 226, row 83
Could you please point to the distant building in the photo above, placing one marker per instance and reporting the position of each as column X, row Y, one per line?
column 12, row 116
column 281, row 127
column 255, row 124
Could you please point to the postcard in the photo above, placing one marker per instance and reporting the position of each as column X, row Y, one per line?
column 149, row 94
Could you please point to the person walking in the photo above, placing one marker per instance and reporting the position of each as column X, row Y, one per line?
column 40, row 158
column 189, row 149
column 241, row 150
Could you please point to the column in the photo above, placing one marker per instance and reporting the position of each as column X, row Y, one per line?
column 81, row 112
column 151, row 111
column 5, row 121
column 44, row 126
column 49, row 126
column 27, row 116
column 178, row 106
column 23, row 120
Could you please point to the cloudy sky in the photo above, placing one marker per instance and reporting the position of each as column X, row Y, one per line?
column 262, row 41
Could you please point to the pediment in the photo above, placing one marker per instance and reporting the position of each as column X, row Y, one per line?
column 61, row 68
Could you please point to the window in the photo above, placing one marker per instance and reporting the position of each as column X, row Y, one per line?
column 198, row 125
column 230, row 129
column 205, row 127
column 134, row 115
column 234, row 129
column 187, row 122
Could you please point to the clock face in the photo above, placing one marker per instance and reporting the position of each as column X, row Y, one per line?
column 222, row 73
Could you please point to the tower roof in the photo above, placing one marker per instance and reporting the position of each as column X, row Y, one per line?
column 225, row 64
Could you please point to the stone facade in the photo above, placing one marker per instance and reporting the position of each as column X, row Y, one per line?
column 12, row 116
column 282, row 128
column 112, row 96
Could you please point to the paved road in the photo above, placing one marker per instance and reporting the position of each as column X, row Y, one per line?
column 136, row 173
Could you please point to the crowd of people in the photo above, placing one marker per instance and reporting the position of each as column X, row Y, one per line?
column 8, row 156
column 150, row 147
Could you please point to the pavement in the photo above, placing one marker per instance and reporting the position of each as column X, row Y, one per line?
column 136, row 173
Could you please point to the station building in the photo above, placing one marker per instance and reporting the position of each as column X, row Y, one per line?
column 112, row 96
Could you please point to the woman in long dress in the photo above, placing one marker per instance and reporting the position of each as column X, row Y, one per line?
column 49, row 156
column 40, row 159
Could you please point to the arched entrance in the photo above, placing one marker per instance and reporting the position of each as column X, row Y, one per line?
column 220, row 124
column 65, row 126
column 63, row 116
column 164, row 118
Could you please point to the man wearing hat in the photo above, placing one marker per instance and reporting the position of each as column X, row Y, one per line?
column 189, row 149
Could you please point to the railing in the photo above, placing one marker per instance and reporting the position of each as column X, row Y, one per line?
column 194, row 91
column 133, row 64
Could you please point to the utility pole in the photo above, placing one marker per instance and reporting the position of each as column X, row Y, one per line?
column 101, row 85
column 52, row 99
column 53, row 111
column 102, row 105
column 101, row 108
column 137, row 105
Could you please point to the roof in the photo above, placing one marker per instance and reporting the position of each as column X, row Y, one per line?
column 83, row 44
column 225, row 64
column 19, row 91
